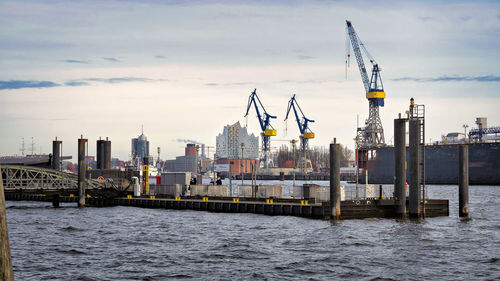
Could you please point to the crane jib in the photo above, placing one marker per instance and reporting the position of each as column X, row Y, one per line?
column 373, row 87
column 303, row 126
column 264, row 120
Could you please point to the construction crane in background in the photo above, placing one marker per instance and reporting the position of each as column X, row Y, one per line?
column 305, row 133
column 267, row 130
column 372, row 135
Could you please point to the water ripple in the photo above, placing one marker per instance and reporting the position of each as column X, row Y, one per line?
column 126, row 243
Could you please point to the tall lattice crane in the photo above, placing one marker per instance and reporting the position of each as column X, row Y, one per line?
column 305, row 132
column 267, row 130
column 372, row 135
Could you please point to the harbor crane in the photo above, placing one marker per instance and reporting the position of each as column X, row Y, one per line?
column 305, row 132
column 372, row 135
column 267, row 130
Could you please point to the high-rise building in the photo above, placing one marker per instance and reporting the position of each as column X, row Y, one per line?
column 228, row 144
column 140, row 148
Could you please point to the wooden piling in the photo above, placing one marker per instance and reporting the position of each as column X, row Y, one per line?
column 463, row 180
column 335, row 180
column 6, row 272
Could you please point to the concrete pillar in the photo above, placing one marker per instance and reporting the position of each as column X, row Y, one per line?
column 335, row 180
column 100, row 154
column 107, row 154
column 414, row 168
column 463, row 180
column 82, row 171
column 56, row 155
column 400, row 165
column 6, row 272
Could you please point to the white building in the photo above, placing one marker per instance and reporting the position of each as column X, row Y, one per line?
column 228, row 144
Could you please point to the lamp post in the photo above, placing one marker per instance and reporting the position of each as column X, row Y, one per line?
column 465, row 131
column 241, row 164
column 196, row 160
column 293, row 142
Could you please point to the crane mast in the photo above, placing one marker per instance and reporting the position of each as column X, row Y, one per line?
column 372, row 135
column 267, row 130
column 305, row 133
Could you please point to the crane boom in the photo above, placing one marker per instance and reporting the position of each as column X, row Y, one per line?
column 357, row 52
column 264, row 121
column 303, row 126
column 265, row 126
column 373, row 87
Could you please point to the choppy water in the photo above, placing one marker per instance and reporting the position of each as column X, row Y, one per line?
column 125, row 243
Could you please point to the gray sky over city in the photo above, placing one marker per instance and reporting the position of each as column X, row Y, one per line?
column 185, row 69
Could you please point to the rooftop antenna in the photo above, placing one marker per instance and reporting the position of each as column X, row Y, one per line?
column 22, row 147
column 142, row 129
column 32, row 146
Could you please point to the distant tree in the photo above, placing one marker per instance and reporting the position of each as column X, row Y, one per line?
column 319, row 156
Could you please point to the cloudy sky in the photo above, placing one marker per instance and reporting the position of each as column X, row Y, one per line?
column 184, row 69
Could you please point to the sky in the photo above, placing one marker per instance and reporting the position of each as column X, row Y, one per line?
column 184, row 69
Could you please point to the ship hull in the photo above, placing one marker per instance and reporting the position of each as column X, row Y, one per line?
column 441, row 164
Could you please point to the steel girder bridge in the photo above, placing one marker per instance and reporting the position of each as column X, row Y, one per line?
column 34, row 178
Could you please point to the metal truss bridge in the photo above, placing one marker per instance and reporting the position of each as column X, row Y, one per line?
column 34, row 178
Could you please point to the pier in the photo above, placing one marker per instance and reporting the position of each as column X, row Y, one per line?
column 351, row 209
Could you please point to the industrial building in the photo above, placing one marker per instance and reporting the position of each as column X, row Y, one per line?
column 185, row 163
column 237, row 166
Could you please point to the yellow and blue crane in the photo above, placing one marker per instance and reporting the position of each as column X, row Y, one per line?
column 305, row 132
column 265, row 124
column 372, row 135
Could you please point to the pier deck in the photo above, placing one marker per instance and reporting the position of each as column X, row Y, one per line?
column 350, row 209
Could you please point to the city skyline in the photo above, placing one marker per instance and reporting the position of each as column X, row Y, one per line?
column 185, row 69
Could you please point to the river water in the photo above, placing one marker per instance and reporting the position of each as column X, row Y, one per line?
column 127, row 243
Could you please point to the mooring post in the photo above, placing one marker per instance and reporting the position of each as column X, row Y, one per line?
column 82, row 170
column 100, row 154
column 55, row 200
column 400, row 165
column 335, row 180
column 6, row 272
column 56, row 154
column 107, row 154
column 463, row 180
column 414, row 166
